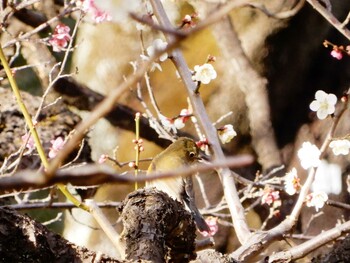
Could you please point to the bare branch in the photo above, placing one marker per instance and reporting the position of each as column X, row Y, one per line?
column 310, row 245
column 330, row 17
column 57, row 205
column 89, row 175
column 225, row 174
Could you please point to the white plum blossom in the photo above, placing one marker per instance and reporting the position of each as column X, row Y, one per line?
column 140, row 27
column 316, row 199
column 179, row 123
column 176, row 122
column 328, row 178
column 324, row 104
column 156, row 46
column 184, row 116
column 226, row 133
column 167, row 123
column 292, row 182
column 204, row 73
column 340, row 147
column 187, row 19
column 309, row 155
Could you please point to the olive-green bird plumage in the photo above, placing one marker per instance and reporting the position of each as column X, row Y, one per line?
column 182, row 152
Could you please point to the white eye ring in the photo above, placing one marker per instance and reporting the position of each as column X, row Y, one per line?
column 192, row 154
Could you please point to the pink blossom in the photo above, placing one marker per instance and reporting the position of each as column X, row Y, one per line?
column 270, row 196
column 98, row 15
column 59, row 39
column 56, row 146
column 336, row 53
column 103, row 158
column 101, row 16
column 29, row 141
column 212, row 223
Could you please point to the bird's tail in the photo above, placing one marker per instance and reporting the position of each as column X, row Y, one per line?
column 188, row 197
column 198, row 218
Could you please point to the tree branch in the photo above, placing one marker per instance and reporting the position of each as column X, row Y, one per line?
column 230, row 191
column 89, row 175
column 254, row 88
column 329, row 17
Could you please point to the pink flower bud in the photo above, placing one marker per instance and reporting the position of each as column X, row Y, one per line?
column 103, row 158
column 336, row 53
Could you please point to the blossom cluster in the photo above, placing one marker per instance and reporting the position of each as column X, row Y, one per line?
column 292, row 185
column 60, row 38
column 56, row 144
column 270, row 196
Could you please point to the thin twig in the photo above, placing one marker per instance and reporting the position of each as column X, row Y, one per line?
column 338, row 204
column 305, row 248
column 279, row 15
column 106, row 226
column 346, row 21
column 202, row 190
column 26, row 36
column 330, row 18
column 56, row 205
column 104, row 108
column 53, row 220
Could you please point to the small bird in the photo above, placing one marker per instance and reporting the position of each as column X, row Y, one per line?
column 182, row 152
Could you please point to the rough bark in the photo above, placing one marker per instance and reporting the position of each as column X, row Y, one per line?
column 157, row 228
column 25, row 240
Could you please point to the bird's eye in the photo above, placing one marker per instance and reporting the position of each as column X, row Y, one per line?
column 192, row 154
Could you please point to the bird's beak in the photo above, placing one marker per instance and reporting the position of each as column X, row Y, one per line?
column 203, row 157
